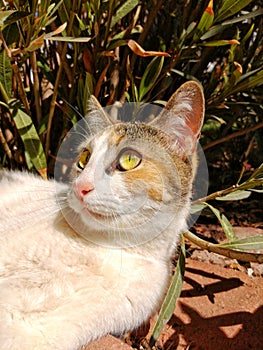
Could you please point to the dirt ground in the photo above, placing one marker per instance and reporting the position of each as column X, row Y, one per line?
column 221, row 307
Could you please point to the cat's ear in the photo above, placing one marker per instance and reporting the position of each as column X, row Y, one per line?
column 182, row 118
column 97, row 119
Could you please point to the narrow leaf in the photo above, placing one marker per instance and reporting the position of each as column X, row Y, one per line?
column 5, row 73
column 56, row 31
column 36, row 44
column 258, row 173
column 222, row 26
column 9, row 17
column 138, row 50
column 205, row 22
column 249, row 243
column 249, row 83
column 228, row 228
column 69, row 39
column 150, row 76
column 172, row 295
column 224, row 222
column 33, row 146
column 230, row 7
column 123, row 10
column 221, row 43
column 235, row 196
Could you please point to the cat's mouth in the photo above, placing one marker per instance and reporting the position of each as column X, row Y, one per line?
column 97, row 215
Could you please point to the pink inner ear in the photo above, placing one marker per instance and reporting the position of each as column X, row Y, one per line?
column 183, row 115
column 190, row 94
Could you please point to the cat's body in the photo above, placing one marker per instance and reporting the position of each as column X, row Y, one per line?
column 82, row 260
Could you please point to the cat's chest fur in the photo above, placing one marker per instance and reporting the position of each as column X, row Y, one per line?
column 50, row 277
column 92, row 257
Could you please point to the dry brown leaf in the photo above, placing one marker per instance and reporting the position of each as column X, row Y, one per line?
column 138, row 50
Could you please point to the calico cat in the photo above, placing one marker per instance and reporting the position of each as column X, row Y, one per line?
column 92, row 257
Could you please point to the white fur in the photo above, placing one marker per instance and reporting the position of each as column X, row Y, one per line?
column 59, row 291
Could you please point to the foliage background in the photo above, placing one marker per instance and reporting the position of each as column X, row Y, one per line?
column 54, row 54
column 217, row 43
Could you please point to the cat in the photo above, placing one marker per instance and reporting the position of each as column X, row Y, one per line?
column 92, row 256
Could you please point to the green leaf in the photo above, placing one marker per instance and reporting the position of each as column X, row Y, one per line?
column 258, row 173
column 196, row 208
column 249, row 83
column 33, row 147
column 11, row 34
column 222, row 26
column 9, row 17
column 69, row 39
column 53, row 8
column 249, row 243
column 150, row 76
column 226, row 225
column 216, row 43
column 235, row 196
column 205, row 22
column 172, row 295
column 126, row 7
column 88, row 90
column 229, row 8
column 116, row 43
column 5, row 73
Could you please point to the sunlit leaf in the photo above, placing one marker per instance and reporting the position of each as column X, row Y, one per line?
column 138, row 50
column 69, row 39
column 196, row 208
column 6, row 73
column 126, row 7
column 150, row 76
column 33, row 146
column 36, row 44
column 56, row 31
column 249, row 243
column 88, row 91
column 216, row 43
column 10, row 16
column 249, row 83
column 229, row 8
column 222, row 26
column 226, row 225
column 232, row 81
column 206, row 21
column 235, row 196
column 258, row 173
column 172, row 295
column 53, row 8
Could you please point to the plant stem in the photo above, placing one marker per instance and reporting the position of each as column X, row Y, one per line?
column 5, row 145
column 56, row 86
column 33, row 61
column 232, row 136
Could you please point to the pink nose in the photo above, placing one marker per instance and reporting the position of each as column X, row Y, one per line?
column 81, row 189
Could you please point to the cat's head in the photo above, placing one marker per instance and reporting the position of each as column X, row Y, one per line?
column 133, row 180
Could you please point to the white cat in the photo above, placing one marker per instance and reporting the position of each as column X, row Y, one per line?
column 92, row 257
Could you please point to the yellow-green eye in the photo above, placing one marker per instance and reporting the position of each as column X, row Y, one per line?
column 128, row 159
column 83, row 159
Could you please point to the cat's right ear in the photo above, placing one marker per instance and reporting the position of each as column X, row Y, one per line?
column 97, row 119
column 183, row 116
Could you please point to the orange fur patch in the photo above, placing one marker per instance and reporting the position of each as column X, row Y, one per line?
column 145, row 177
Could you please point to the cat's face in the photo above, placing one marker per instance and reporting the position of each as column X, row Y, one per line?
column 131, row 180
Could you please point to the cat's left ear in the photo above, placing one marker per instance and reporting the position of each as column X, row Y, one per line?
column 97, row 119
column 183, row 116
